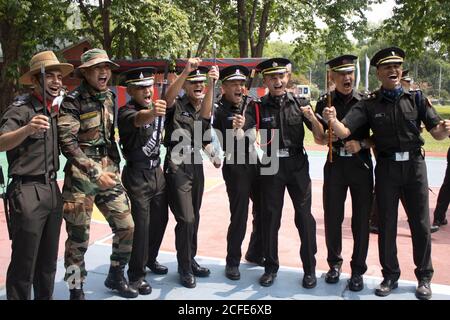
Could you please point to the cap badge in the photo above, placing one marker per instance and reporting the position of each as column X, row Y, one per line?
column 238, row 71
column 141, row 76
column 274, row 64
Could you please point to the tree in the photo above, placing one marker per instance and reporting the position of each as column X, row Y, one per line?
column 258, row 19
column 24, row 27
column 420, row 25
column 135, row 28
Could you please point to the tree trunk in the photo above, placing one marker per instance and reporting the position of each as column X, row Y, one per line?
column 11, row 45
column 257, row 50
column 242, row 28
column 105, row 14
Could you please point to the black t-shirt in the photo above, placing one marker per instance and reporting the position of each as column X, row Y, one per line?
column 132, row 138
column 182, row 121
column 281, row 118
column 343, row 105
column 395, row 124
column 28, row 157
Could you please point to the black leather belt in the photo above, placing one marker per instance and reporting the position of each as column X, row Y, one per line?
column 95, row 151
column 38, row 178
column 397, row 156
column 150, row 164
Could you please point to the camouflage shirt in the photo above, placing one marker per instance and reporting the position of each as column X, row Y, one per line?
column 86, row 120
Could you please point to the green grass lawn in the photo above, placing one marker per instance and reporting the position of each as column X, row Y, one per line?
column 431, row 145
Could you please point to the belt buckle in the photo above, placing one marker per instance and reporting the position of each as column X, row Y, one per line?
column 402, row 156
column 344, row 153
column 283, row 153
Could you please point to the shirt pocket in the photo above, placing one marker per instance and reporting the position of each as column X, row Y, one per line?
column 89, row 126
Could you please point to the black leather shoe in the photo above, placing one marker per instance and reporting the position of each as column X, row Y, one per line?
column 434, row 228
column 267, row 279
column 385, row 288
column 199, row 271
column 77, row 294
column 157, row 268
column 356, row 282
column 440, row 222
column 256, row 260
column 141, row 286
column 423, row 291
column 232, row 272
column 309, row 281
column 187, row 280
column 332, row 276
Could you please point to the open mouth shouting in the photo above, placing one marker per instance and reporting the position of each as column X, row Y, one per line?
column 148, row 99
column 102, row 81
column 53, row 90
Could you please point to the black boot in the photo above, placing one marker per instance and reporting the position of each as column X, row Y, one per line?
column 77, row 294
column 116, row 281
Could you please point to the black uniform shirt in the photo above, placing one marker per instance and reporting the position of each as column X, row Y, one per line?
column 223, row 122
column 342, row 107
column 28, row 157
column 183, row 116
column 395, row 124
column 132, row 139
column 282, row 114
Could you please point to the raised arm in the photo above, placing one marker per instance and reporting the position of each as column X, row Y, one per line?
column 207, row 102
column 177, row 85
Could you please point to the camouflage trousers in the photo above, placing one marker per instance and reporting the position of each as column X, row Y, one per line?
column 79, row 195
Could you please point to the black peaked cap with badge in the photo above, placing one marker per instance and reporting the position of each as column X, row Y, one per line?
column 274, row 66
column 198, row 74
column 236, row 72
column 405, row 76
column 388, row 55
column 344, row 63
column 139, row 77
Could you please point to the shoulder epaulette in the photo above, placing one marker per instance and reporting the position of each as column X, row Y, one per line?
column 323, row 97
column 21, row 100
column 72, row 95
column 370, row 96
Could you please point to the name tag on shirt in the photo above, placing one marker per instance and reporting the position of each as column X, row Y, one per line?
column 401, row 156
column 344, row 153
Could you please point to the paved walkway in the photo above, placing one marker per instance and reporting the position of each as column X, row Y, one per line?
column 212, row 250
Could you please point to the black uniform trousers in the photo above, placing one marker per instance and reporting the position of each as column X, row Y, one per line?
column 293, row 174
column 36, row 216
column 409, row 178
column 342, row 174
column 146, row 189
column 242, row 184
column 185, row 185
column 444, row 194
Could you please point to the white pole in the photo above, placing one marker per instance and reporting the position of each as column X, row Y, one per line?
column 440, row 79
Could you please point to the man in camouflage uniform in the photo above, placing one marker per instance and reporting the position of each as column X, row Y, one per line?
column 86, row 133
column 28, row 134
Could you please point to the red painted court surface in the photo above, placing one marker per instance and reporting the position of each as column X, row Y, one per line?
column 214, row 223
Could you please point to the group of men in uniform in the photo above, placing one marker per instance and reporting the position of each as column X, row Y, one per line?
column 136, row 206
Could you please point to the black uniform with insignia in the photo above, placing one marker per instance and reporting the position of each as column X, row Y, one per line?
column 240, row 173
column 282, row 119
column 394, row 117
column 183, row 168
column 347, row 171
column 35, row 203
column 144, row 181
